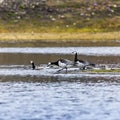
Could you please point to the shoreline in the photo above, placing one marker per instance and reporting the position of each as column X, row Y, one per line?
column 61, row 36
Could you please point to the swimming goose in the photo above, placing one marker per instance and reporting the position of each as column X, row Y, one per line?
column 63, row 63
column 82, row 64
column 33, row 65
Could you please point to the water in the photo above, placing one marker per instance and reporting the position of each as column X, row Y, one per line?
column 59, row 101
column 43, row 94
column 42, row 55
column 64, row 50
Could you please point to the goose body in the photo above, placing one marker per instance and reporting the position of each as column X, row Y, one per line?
column 82, row 64
column 63, row 63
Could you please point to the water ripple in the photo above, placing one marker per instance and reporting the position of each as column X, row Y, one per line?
column 65, row 100
column 65, row 50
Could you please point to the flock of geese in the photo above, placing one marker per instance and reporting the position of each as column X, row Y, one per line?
column 65, row 64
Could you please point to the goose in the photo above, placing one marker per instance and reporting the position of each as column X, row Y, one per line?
column 63, row 63
column 82, row 64
column 35, row 67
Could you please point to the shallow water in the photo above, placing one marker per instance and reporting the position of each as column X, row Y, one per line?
column 43, row 55
column 28, row 94
column 97, row 51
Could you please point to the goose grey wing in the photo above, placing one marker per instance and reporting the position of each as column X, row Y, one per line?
column 69, row 62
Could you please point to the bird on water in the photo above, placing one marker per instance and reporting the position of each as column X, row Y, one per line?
column 33, row 65
column 63, row 63
column 82, row 64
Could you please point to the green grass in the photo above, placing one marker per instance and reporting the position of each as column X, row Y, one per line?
column 103, row 71
column 66, row 16
column 36, row 25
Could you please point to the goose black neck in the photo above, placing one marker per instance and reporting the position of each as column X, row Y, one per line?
column 75, row 59
column 54, row 63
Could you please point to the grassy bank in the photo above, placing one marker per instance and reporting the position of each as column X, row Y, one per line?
column 65, row 36
column 112, row 71
column 60, row 20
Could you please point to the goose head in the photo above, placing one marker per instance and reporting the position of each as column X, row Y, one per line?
column 49, row 64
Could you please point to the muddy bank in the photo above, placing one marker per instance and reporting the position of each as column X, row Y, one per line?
column 43, row 43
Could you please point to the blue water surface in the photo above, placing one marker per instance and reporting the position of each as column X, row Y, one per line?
column 59, row 101
column 27, row 94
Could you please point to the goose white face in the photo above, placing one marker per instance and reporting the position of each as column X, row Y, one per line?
column 49, row 63
column 31, row 62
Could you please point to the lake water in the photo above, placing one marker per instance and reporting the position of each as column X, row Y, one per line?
column 28, row 94
column 59, row 101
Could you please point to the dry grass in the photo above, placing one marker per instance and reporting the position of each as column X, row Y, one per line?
column 60, row 36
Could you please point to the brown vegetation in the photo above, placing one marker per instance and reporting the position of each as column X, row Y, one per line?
column 60, row 36
column 51, row 17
